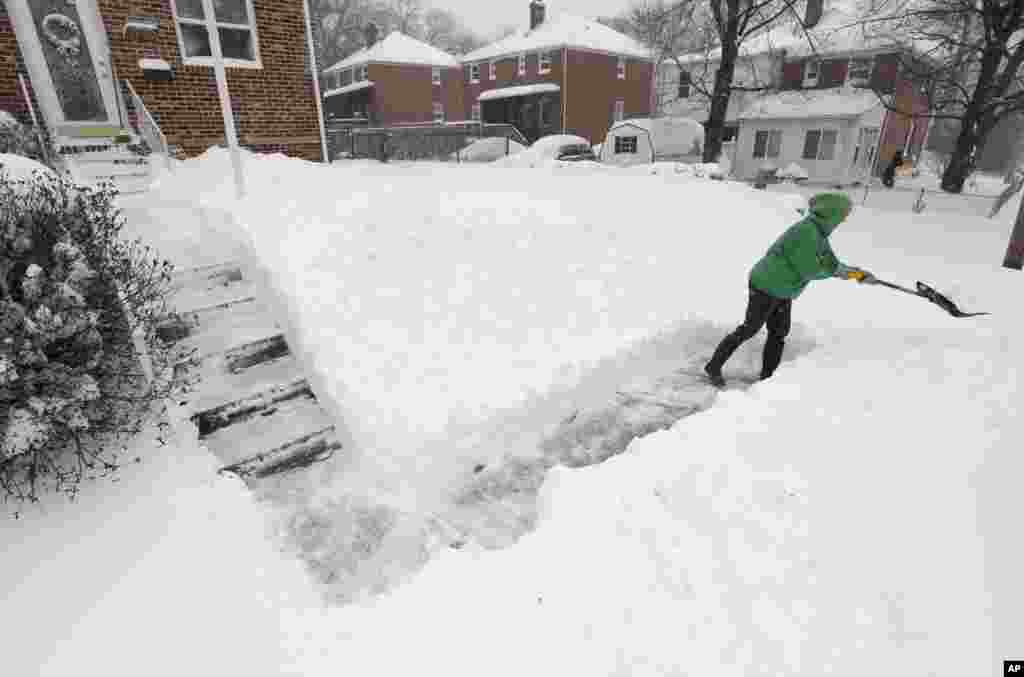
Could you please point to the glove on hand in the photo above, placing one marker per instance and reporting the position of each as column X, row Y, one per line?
column 851, row 273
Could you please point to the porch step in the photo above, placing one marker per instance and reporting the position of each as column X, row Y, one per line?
column 246, row 429
column 318, row 446
column 218, row 386
column 240, row 342
column 207, row 277
column 214, row 292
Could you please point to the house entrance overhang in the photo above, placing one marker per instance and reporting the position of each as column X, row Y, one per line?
column 522, row 90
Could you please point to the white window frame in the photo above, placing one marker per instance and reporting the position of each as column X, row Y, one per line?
column 809, row 80
column 493, row 70
column 474, row 73
column 361, row 73
column 476, row 112
column 771, row 134
column 438, row 112
column 543, row 58
column 621, row 143
column 821, row 136
column 620, row 68
column 849, row 70
column 521, row 65
column 435, row 76
column 619, row 112
column 256, row 62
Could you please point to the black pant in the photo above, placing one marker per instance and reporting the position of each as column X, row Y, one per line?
column 762, row 309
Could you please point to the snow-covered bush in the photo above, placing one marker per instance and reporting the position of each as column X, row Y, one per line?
column 73, row 297
column 17, row 139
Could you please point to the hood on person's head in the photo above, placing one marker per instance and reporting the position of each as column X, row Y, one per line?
column 830, row 209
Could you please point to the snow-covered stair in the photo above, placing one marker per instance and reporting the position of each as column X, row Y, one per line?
column 130, row 173
column 245, row 392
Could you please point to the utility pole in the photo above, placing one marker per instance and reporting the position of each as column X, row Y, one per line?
column 230, row 135
column 1015, row 250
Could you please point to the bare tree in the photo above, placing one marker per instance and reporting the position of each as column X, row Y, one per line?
column 665, row 27
column 733, row 23
column 444, row 30
column 406, row 16
column 338, row 28
column 964, row 57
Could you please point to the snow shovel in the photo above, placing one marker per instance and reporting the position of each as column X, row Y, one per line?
column 924, row 291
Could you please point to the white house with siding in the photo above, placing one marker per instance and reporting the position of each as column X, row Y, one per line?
column 832, row 134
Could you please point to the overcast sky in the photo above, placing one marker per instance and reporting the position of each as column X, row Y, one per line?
column 485, row 16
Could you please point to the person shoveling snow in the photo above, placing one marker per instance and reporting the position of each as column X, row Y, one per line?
column 800, row 255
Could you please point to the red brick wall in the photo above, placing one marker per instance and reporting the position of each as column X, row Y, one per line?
column 275, row 107
column 591, row 88
column 11, row 64
column 405, row 93
column 508, row 76
column 898, row 124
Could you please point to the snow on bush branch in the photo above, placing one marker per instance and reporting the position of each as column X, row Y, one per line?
column 72, row 295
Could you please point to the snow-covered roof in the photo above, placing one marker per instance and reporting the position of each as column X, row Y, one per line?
column 825, row 103
column 397, row 48
column 348, row 89
column 522, row 90
column 563, row 30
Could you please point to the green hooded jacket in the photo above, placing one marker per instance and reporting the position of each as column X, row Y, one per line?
column 803, row 252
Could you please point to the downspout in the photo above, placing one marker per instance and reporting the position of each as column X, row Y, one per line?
column 565, row 85
column 316, row 82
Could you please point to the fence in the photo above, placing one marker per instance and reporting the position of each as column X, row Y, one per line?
column 415, row 142
column 149, row 130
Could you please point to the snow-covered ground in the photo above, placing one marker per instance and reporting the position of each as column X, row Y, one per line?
column 856, row 513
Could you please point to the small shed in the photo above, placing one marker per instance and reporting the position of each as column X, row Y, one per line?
column 646, row 140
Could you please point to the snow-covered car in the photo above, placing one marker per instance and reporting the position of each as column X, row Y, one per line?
column 553, row 148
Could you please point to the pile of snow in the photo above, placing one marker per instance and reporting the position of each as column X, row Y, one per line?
column 21, row 168
column 543, row 151
column 8, row 120
column 792, row 171
column 809, row 526
column 489, row 150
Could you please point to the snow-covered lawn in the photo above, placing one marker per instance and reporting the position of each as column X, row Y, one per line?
column 856, row 514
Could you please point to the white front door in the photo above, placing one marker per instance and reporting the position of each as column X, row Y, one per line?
column 65, row 47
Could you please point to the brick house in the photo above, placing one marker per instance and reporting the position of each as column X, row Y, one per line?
column 564, row 75
column 395, row 81
column 97, row 69
column 813, row 109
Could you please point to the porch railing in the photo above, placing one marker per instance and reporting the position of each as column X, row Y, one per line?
column 149, row 130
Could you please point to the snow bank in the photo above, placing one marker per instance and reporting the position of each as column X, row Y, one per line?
column 792, row 171
column 489, row 150
column 21, row 168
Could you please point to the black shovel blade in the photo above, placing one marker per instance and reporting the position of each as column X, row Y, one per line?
column 943, row 302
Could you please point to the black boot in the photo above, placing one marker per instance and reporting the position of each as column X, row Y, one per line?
column 722, row 354
column 772, row 356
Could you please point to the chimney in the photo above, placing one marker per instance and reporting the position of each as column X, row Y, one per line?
column 370, row 34
column 815, row 8
column 536, row 13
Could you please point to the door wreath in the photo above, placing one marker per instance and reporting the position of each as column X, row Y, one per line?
column 63, row 33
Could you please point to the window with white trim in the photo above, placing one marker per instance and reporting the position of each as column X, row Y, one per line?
column 684, row 84
column 620, row 109
column 362, row 74
column 493, row 70
column 820, row 144
column 236, row 26
column 625, row 144
column 858, row 71
column 435, row 75
column 620, row 69
column 767, row 143
column 544, row 62
column 521, row 64
column 438, row 111
column 812, row 69
column 475, row 114
column 474, row 73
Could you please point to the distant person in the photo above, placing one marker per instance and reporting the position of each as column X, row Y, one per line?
column 889, row 175
column 800, row 255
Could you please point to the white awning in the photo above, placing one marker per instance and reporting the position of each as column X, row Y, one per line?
column 348, row 89
column 522, row 90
